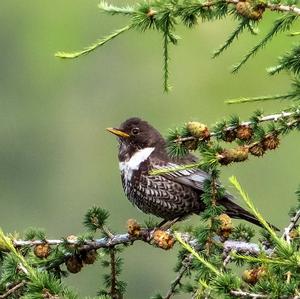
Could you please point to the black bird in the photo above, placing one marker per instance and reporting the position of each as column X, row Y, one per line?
column 169, row 196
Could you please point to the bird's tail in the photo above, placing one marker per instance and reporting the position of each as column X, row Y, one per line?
column 233, row 210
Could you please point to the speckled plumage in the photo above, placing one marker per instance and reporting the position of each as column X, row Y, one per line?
column 159, row 195
column 171, row 195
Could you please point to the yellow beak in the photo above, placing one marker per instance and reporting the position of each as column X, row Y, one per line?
column 118, row 132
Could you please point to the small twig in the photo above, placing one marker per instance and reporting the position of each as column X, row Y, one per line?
column 287, row 230
column 184, row 268
column 244, row 247
column 284, row 8
column 227, row 259
column 288, row 277
column 94, row 46
column 242, row 294
column 271, row 6
column 275, row 7
column 184, row 139
column 113, row 289
column 13, row 289
column 271, row 117
column 107, row 232
column 22, row 268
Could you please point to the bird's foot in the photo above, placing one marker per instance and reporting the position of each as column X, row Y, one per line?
column 167, row 224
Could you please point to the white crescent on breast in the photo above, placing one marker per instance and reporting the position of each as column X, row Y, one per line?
column 128, row 167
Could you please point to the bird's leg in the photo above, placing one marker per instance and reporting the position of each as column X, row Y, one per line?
column 162, row 223
column 166, row 224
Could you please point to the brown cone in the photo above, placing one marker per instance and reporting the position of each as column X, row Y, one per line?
column 229, row 135
column 252, row 276
column 233, row 155
column 42, row 250
column 198, row 130
column 133, row 227
column 244, row 132
column 89, row 257
column 271, row 142
column 225, row 227
column 74, row 264
column 257, row 150
column 163, row 239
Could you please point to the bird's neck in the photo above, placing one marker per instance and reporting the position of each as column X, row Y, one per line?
column 138, row 156
column 132, row 163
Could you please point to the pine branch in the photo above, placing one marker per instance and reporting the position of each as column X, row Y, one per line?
column 12, row 290
column 284, row 8
column 94, row 46
column 289, row 61
column 41, row 284
column 222, row 283
column 164, row 170
column 260, row 98
column 166, row 62
column 276, row 7
column 242, row 294
column 191, row 248
column 234, row 35
column 168, row 37
column 244, row 248
column 6, row 244
column 283, row 246
column 195, row 135
column 115, row 10
column 282, row 24
column 90, row 244
column 185, row 264
column 127, row 239
column 271, row 117
column 162, row 15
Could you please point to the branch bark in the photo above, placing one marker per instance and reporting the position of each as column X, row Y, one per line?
column 242, row 294
column 184, row 268
column 13, row 289
column 244, row 248
column 145, row 236
column 287, row 230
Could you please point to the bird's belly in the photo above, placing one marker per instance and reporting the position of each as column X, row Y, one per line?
column 161, row 197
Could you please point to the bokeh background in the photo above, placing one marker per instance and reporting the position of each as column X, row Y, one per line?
column 56, row 160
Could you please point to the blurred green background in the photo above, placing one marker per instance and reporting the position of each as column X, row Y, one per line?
column 56, row 158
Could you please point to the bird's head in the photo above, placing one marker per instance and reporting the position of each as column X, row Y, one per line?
column 135, row 134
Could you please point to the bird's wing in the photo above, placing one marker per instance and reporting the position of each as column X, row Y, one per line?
column 193, row 177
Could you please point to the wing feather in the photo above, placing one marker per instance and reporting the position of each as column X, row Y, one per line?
column 192, row 177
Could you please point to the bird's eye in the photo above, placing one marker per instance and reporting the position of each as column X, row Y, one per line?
column 135, row 131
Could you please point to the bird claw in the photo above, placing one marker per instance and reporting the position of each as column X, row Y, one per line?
column 167, row 224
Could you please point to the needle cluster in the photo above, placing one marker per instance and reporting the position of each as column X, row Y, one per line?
column 165, row 17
